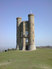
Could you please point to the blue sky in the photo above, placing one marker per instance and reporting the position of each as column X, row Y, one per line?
column 10, row 9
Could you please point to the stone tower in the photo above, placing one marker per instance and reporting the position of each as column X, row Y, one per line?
column 25, row 34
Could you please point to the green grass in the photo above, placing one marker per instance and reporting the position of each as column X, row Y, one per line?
column 39, row 59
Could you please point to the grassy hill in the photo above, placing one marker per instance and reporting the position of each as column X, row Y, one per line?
column 39, row 59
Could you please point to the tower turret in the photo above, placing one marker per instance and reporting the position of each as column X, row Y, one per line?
column 31, row 32
column 19, row 19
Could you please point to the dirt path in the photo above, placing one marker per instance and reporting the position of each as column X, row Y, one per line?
column 4, row 63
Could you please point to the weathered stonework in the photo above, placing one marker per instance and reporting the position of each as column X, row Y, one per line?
column 25, row 34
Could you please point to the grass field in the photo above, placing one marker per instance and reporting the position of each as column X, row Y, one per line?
column 39, row 59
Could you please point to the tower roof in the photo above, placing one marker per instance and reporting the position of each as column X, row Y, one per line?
column 30, row 14
column 18, row 18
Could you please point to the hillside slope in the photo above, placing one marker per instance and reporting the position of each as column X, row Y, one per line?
column 39, row 59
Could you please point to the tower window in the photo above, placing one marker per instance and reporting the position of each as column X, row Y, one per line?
column 27, row 40
column 26, row 33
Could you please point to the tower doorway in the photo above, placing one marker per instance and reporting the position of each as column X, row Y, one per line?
column 27, row 46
